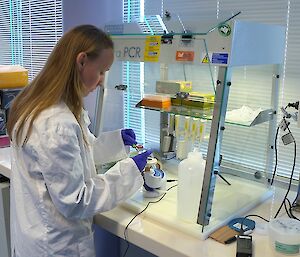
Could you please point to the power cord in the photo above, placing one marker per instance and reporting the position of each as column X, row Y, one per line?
column 290, row 210
column 284, row 125
column 242, row 231
column 126, row 228
column 290, row 180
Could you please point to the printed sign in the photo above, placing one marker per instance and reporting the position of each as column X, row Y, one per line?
column 128, row 52
column 221, row 58
column 215, row 58
column 152, row 48
column 186, row 56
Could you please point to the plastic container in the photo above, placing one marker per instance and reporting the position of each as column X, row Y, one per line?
column 284, row 236
column 190, row 180
column 181, row 149
column 156, row 101
column 13, row 76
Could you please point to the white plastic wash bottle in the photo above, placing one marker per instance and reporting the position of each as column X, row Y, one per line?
column 190, row 179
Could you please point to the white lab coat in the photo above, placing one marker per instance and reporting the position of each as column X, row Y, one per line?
column 55, row 190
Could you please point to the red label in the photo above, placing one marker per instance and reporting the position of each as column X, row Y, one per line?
column 187, row 56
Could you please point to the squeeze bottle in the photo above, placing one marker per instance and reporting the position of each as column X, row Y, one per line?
column 190, row 179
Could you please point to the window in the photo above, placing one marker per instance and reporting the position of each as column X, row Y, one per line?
column 29, row 30
column 251, row 154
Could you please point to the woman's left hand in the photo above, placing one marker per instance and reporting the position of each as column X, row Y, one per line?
column 128, row 137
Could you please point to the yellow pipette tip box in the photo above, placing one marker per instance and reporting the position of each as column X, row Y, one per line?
column 156, row 101
column 13, row 76
column 196, row 100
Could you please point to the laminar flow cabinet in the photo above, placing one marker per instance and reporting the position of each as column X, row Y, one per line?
column 155, row 51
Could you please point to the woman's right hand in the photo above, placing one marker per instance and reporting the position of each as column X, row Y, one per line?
column 141, row 159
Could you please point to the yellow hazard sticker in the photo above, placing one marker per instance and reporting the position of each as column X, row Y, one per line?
column 206, row 59
column 152, row 48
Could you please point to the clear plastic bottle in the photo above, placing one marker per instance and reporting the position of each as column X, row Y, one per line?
column 190, row 179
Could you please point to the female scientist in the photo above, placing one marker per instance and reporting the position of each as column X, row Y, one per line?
column 55, row 191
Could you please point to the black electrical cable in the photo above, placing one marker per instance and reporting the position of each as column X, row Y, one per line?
column 291, row 210
column 125, row 230
column 172, row 180
column 276, row 151
column 291, row 177
column 287, row 210
column 247, row 216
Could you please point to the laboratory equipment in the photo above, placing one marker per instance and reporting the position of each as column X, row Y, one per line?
column 13, row 76
column 172, row 87
column 284, row 235
column 207, row 54
column 158, row 101
column 190, row 176
column 244, row 246
column 154, row 179
column 288, row 138
column 12, row 79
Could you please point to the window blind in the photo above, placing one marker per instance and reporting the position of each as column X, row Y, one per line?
column 251, row 85
column 5, row 34
column 29, row 31
column 133, row 77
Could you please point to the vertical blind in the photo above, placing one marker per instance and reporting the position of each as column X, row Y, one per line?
column 133, row 76
column 29, row 29
column 5, row 34
column 251, row 85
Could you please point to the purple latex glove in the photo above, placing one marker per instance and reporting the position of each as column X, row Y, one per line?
column 141, row 159
column 128, row 137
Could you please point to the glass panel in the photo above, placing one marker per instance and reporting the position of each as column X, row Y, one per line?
column 241, row 182
column 251, row 107
column 170, row 23
column 237, row 167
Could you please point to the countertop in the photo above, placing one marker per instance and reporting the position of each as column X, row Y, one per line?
column 5, row 165
column 165, row 241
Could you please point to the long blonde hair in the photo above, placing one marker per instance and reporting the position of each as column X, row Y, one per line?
column 59, row 80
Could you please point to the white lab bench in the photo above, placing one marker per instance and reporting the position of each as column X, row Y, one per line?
column 165, row 241
column 4, row 203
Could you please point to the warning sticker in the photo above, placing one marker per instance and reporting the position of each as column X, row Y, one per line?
column 187, row 56
column 205, row 59
column 215, row 58
column 152, row 48
column 221, row 58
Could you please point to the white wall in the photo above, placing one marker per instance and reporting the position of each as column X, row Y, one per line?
column 98, row 13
